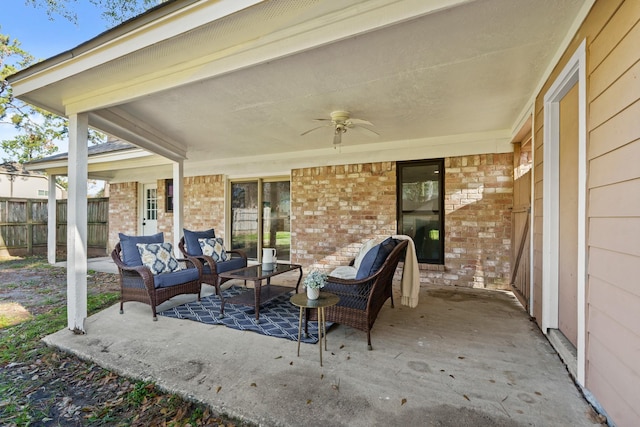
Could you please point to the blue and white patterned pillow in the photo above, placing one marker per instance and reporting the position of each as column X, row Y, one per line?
column 214, row 247
column 158, row 257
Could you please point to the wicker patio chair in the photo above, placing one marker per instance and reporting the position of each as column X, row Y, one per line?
column 137, row 283
column 211, row 269
column 362, row 299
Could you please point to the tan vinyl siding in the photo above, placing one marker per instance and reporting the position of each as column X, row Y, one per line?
column 621, row 94
column 615, row 268
column 609, row 376
column 615, row 132
column 613, row 314
column 606, row 201
column 617, row 166
column 612, row 375
column 617, row 62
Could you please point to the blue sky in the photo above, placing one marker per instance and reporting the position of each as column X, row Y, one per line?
column 44, row 38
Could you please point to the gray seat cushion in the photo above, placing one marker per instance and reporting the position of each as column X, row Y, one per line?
column 232, row 264
column 166, row 280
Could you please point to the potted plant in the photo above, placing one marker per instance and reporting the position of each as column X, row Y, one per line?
column 314, row 281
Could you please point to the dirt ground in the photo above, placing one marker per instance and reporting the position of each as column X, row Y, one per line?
column 45, row 387
column 39, row 288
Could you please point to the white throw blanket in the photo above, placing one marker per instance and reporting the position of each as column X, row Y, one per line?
column 410, row 286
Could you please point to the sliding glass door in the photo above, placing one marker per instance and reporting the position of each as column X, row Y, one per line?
column 276, row 230
column 260, row 217
column 244, row 217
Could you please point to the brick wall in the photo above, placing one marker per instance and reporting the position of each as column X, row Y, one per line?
column 123, row 211
column 203, row 205
column 336, row 208
column 478, row 199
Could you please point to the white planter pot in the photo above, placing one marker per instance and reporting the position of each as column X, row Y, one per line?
column 313, row 293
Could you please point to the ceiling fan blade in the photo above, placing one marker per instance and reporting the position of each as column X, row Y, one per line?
column 311, row 130
column 360, row 122
column 367, row 129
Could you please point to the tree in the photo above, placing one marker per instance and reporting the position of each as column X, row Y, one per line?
column 39, row 130
column 113, row 11
column 39, row 127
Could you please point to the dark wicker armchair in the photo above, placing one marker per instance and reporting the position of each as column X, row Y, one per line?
column 137, row 283
column 362, row 299
column 211, row 269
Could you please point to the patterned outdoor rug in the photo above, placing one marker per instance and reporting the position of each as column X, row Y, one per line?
column 278, row 317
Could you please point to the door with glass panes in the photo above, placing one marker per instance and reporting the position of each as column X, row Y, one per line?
column 260, row 217
column 149, row 209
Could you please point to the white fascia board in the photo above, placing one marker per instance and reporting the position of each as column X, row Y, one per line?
column 164, row 27
column 117, row 156
column 125, row 159
column 318, row 31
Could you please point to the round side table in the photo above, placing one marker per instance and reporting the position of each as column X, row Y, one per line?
column 326, row 299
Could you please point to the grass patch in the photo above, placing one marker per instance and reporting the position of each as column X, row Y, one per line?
column 12, row 313
column 40, row 385
column 27, row 262
column 18, row 343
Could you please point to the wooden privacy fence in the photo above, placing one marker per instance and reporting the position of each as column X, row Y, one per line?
column 245, row 220
column 520, row 239
column 23, row 226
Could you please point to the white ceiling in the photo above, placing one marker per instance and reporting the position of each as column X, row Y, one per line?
column 416, row 69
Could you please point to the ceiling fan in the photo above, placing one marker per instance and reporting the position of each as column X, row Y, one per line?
column 341, row 121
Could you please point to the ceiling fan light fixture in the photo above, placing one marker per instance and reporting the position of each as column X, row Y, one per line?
column 340, row 117
column 337, row 135
column 341, row 121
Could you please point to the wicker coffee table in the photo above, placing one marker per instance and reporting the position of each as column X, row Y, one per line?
column 261, row 294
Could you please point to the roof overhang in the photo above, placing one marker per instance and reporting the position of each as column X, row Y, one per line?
column 236, row 82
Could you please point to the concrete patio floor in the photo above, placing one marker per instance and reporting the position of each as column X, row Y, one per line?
column 463, row 357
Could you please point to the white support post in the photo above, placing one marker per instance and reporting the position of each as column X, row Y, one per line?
column 178, row 191
column 51, row 221
column 77, row 223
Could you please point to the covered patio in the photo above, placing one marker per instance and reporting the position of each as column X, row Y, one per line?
column 213, row 93
column 463, row 357
column 228, row 90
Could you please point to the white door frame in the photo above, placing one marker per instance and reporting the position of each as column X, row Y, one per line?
column 574, row 72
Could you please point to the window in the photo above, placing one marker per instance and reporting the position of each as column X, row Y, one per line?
column 43, row 192
column 421, row 207
column 168, row 193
